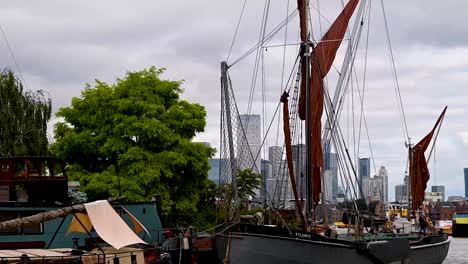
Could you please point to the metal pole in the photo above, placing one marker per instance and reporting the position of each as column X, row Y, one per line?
column 56, row 231
column 410, row 155
column 309, row 200
column 225, row 90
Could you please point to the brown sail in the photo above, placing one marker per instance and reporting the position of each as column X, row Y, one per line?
column 287, row 140
column 325, row 52
column 322, row 59
column 419, row 172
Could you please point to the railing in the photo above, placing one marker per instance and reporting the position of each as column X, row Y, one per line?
column 136, row 256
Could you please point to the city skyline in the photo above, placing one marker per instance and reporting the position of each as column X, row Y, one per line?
column 75, row 51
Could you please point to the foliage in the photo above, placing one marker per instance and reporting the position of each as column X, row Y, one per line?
column 247, row 183
column 134, row 138
column 23, row 118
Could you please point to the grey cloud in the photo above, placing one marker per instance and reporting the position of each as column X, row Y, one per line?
column 60, row 46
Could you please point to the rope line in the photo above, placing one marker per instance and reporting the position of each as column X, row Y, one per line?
column 237, row 29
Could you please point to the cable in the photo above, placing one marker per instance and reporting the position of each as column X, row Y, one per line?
column 267, row 37
column 397, row 86
column 12, row 54
column 235, row 33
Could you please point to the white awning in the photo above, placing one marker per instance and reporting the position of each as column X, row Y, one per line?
column 110, row 226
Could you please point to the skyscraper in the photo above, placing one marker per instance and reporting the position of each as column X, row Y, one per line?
column 401, row 194
column 214, row 174
column 249, row 143
column 364, row 171
column 266, row 174
column 328, row 185
column 383, row 174
column 441, row 189
column 299, row 160
column 466, row 182
column 331, row 165
column 275, row 154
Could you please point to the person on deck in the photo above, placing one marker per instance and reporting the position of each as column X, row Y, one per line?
column 422, row 225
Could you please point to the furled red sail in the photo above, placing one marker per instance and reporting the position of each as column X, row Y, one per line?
column 325, row 52
column 322, row 59
column 287, row 134
column 302, row 7
column 419, row 172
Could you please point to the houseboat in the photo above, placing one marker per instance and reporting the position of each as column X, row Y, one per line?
column 32, row 185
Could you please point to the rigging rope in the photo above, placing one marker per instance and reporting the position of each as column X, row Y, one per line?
column 237, row 29
column 12, row 54
column 282, row 68
column 261, row 37
column 395, row 76
column 267, row 38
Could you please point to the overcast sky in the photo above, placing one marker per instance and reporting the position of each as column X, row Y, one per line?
column 60, row 46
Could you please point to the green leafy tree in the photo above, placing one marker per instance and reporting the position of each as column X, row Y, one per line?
column 248, row 182
column 23, row 118
column 134, row 138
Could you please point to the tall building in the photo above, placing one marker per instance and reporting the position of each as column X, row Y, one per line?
column 401, row 191
column 266, row 174
column 440, row 189
column 214, row 174
column 275, row 155
column 299, row 156
column 364, row 169
column 271, row 191
column 249, row 143
column 328, row 186
column 400, row 194
column 364, row 176
column 433, row 197
column 383, row 175
column 332, row 166
column 466, row 181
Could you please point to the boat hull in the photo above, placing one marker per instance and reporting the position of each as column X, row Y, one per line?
column 255, row 248
column 261, row 249
column 433, row 252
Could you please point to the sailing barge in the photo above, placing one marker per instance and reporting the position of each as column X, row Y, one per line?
column 256, row 244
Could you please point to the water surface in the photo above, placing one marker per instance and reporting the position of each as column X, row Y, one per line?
column 458, row 252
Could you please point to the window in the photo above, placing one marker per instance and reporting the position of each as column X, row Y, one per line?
column 19, row 168
column 45, row 170
column 58, row 169
column 5, row 167
column 33, row 169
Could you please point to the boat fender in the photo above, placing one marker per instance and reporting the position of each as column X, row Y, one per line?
column 186, row 244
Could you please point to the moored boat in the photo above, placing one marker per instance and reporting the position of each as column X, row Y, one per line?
column 460, row 225
column 32, row 185
column 239, row 243
column 260, row 244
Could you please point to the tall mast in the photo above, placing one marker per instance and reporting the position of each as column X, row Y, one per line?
column 232, row 161
column 306, row 62
column 309, row 189
column 408, row 188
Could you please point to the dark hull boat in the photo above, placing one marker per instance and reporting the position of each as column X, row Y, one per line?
column 259, row 244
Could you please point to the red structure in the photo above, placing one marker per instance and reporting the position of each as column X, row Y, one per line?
column 33, row 180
